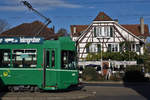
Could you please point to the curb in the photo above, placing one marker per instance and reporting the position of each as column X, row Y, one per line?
column 113, row 82
column 105, row 82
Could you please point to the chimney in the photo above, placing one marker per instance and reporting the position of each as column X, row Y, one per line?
column 142, row 25
column 74, row 29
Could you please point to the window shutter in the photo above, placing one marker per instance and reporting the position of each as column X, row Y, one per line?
column 111, row 31
column 137, row 48
column 94, row 31
column 99, row 47
column 87, row 49
column 120, row 48
column 109, row 48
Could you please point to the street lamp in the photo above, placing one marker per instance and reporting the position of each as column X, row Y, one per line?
column 102, row 37
column 101, row 53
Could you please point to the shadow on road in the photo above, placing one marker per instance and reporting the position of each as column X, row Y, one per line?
column 2, row 89
column 143, row 88
column 136, row 80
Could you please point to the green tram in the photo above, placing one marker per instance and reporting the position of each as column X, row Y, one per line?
column 34, row 63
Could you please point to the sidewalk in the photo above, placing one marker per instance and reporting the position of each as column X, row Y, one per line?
column 113, row 82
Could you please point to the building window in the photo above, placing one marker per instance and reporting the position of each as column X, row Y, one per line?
column 137, row 47
column 23, row 58
column 116, row 47
column 93, row 48
column 113, row 48
column 133, row 47
column 4, row 57
column 103, row 31
column 98, row 31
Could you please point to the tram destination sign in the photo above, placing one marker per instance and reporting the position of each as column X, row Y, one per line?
column 21, row 40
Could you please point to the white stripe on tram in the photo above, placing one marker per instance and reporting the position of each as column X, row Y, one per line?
column 37, row 69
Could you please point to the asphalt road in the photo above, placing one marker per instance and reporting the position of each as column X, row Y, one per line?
column 89, row 91
column 119, row 91
column 72, row 94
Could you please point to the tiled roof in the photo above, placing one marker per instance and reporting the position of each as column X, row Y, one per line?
column 102, row 17
column 30, row 29
column 135, row 29
column 79, row 29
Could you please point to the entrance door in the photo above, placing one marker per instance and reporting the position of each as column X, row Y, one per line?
column 105, row 67
column 49, row 73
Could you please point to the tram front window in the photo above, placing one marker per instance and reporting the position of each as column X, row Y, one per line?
column 68, row 60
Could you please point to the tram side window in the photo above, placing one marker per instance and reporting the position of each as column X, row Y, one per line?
column 47, row 58
column 23, row 58
column 4, row 57
column 68, row 60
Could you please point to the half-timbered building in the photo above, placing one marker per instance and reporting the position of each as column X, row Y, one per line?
column 105, row 34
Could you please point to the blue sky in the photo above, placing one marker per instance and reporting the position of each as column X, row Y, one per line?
column 63, row 13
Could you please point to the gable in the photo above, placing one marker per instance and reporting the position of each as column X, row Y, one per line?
column 102, row 17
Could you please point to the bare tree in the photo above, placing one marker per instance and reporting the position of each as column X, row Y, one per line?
column 62, row 31
column 3, row 25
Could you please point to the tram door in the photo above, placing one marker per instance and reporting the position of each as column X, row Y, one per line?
column 49, row 73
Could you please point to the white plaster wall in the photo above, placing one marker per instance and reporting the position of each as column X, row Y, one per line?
column 82, row 45
column 74, row 38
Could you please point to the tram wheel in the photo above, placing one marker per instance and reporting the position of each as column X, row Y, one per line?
column 31, row 89
column 36, row 89
column 11, row 88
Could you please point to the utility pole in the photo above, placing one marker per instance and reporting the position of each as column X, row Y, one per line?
column 48, row 21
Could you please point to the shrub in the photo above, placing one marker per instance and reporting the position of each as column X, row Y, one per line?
column 90, row 74
column 116, row 77
column 134, row 76
column 120, row 56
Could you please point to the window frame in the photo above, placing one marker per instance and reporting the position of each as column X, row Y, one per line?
column 103, row 31
column 9, row 57
column 24, row 53
column 113, row 47
column 67, row 63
